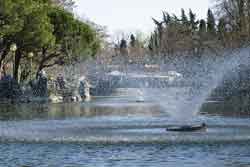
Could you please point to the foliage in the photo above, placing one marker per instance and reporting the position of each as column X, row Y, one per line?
column 210, row 22
column 184, row 19
column 132, row 40
column 66, row 4
column 192, row 20
column 175, row 35
column 49, row 31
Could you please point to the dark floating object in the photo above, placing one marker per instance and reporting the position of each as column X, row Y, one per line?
column 188, row 128
column 139, row 101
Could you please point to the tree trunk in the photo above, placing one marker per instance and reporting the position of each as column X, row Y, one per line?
column 41, row 63
column 248, row 16
column 5, row 50
column 17, row 61
column 3, row 56
column 40, row 67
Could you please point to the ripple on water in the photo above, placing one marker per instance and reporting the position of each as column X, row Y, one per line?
column 126, row 139
column 80, row 131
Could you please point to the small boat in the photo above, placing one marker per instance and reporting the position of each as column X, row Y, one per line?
column 139, row 101
column 188, row 128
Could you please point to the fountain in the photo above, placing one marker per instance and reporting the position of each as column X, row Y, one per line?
column 153, row 118
column 205, row 77
column 180, row 87
column 141, row 111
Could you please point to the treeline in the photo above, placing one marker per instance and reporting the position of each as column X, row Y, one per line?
column 227, row 26
column 227, row 29
column 36, row 34
column 184, row 34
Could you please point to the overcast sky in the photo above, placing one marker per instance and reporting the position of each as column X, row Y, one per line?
column 132, row 15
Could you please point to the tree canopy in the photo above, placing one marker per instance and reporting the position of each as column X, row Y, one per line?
column 228, row 29
column 47, row 29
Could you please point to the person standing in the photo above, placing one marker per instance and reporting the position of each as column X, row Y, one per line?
column 60, row 82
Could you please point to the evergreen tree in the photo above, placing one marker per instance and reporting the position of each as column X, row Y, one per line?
column 159, row 32
column 33, row 30
column 221, row 29
column 202, row 26
column 50, row 32
column 192, row 20
column 123, row 47
column 151, row 43
column 123, row 44
column 175, row 20
column 210, row 22
column 184, row 18
column 66, row 4
column 166, row 18
column 74, row 40
column 132, row 40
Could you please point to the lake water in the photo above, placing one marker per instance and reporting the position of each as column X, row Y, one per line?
column 117, row 132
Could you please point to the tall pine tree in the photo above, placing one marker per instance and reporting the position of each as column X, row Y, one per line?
column 210, row 22
column 184, row 18
column 192, row 20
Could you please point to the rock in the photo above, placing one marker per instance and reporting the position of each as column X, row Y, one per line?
column 55, row 99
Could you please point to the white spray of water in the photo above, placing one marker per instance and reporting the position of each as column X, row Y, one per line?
column 182, row 103
column 190, row 100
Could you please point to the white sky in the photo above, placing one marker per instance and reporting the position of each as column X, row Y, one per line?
column 132, row 15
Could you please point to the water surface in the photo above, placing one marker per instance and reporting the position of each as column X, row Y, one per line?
column 117, row 132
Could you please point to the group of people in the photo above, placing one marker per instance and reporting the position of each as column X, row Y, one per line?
column 39, row 86
column 83, row 89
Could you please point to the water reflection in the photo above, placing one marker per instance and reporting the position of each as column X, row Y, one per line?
column 75, row 110
column 104, row 107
